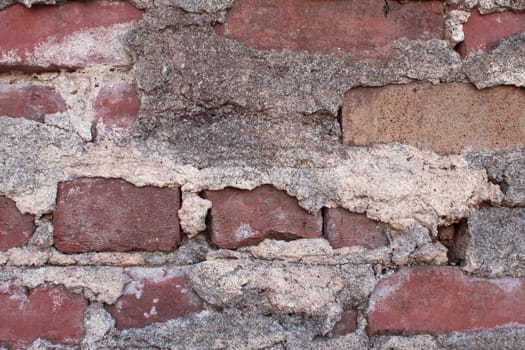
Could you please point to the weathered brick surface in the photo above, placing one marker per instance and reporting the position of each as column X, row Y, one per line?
column 95, row 214
column 154, row 295
column 115, row 106
column 29, row 101
column 366, row 28
column 444, row 118
column 49, row 312
column 239, row 218
column 71, row 35
column 347, row 323
column 486, row 31
column 437, row 300
column 15, row 228
column 343, row 228
column 496, row 244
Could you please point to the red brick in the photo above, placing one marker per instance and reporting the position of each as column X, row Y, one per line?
column 115, row 106
column 240, row 218
column 437, row 300
column 15, row 228
column 343, row 228
column 48, row 312
column 95, row 214
column 71, row 35
column 154, row 295
column 486, row 31
column 347, row 324
column 444, row 118
column 32, row 102
column 353, row 26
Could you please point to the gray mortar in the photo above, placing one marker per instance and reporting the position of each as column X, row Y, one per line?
column 488, row 6
column 512, row 338
column 503, row 65
column 229, row 329
column 496, row 245
column 507, row 169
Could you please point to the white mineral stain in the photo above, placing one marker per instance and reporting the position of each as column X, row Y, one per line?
column 244, row 231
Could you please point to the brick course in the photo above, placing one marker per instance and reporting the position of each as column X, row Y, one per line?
column 15, row 227
column 154, row 295
column 343, row 228
column 239, row 218
column 49, row 312
column 484, row 32
column 115, row 106
column 366, row 28
column 444, row 118
column 95, row 214
column 437, row 300
column 31, row 102
column 71, row 35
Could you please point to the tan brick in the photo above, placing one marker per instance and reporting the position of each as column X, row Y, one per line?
column 444, row 118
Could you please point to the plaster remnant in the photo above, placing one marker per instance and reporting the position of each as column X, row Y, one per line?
column 192, row 214
column 287, row 291
column 26, row 256
column 416, row 246
column 454, row 20
column 488, row 6
column 82, row 279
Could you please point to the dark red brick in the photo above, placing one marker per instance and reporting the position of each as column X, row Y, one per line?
column 347, row 324
column 438, row 300
column 154, row 295
column 95, row 214
column 115, row 106
column 484, row 32
column 443, row 118
column 353, row 26
column 48, row 312
column 15, row 228
column 29, row 101
column 65, row 36
column 240, row 218
column 343, row 228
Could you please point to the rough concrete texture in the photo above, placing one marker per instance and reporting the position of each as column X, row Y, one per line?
column 216, row 114
column 496, row 244
column 86, row 280
column 311, row 294
column 503, row 65
column 507, row 169
column 501, row 339
column 488, row 6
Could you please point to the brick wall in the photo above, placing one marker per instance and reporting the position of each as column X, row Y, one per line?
column 249, row 174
